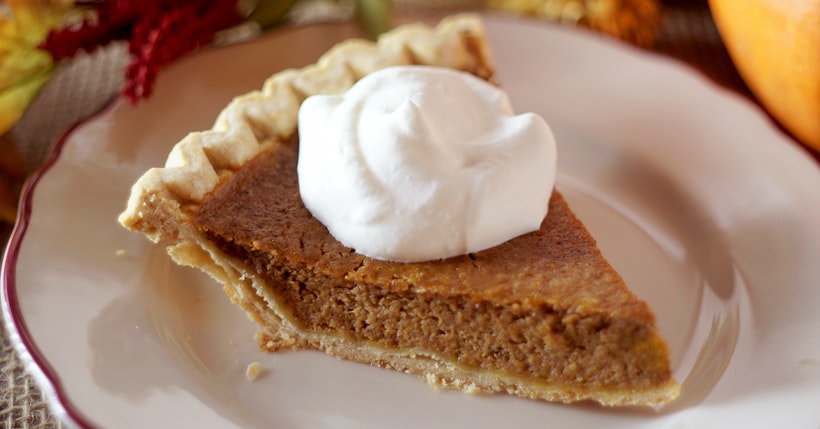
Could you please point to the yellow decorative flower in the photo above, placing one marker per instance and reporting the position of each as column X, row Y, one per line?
column 24, row 68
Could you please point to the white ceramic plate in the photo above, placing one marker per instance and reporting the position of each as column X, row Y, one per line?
column 710, row 214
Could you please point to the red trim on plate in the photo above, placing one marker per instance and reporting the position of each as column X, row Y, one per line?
column 25, row 345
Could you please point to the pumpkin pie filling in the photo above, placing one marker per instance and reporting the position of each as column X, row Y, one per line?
column 460, row 309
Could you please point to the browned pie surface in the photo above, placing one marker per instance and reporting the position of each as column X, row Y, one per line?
column 544, row 305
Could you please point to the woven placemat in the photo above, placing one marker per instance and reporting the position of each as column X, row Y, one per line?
column 21, row 403
column 82, row 86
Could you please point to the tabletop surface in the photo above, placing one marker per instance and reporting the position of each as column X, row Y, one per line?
column 82, row 86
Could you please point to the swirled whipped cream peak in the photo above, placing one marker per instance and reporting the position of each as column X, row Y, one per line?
column 418, row 163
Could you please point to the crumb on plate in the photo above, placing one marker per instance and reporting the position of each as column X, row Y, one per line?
column 253, row 371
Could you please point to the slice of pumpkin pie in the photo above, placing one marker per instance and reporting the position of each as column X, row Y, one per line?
column 540, row 315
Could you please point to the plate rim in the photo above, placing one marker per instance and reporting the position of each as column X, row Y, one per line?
column 23, row 341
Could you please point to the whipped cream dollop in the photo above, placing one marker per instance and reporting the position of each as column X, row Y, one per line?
column 418, row 163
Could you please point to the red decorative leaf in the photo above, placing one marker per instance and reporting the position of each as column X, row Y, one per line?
column 158, row 32
column 175, row 33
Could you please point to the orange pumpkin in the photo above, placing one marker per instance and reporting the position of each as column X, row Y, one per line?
column 775, row 45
